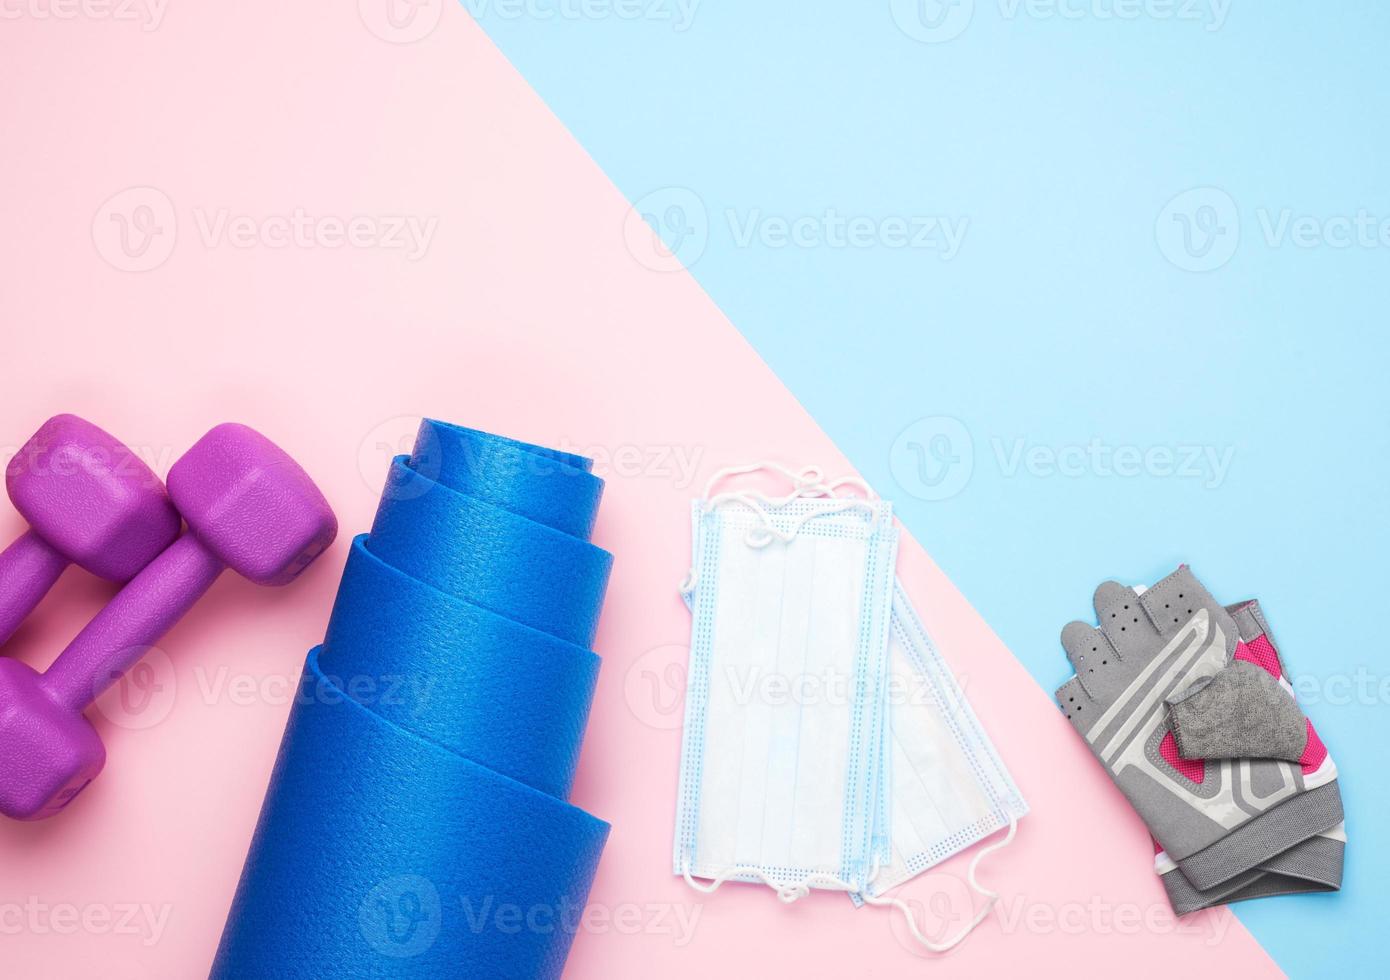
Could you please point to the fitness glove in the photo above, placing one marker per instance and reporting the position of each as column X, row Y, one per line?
column 1185, row 704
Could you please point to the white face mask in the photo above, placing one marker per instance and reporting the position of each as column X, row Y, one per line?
column 782, row 747
column 826, row 744
column 948, row 787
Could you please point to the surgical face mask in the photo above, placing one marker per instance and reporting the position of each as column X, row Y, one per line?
column 782, row 745
column 947, row 787
column 900, row 723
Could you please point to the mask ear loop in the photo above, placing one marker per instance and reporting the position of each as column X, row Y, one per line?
column 991, row 897
column 807, row 474
column 789, row 892
column 753, row 502
column 808, row 482
column 829, row 489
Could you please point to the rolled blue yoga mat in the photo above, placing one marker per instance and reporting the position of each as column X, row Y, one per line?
column 416, row 823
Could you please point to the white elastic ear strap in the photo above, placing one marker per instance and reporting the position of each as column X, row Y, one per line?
column 990, row 898
column 791, row 892
column 808, row 482
column 788, row 892
column 798, row 478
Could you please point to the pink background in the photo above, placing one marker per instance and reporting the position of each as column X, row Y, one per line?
column 535, row 312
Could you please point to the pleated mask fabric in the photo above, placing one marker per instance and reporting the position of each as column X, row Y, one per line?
column 947, row 788
column 757, row 791
column 417, row 823
column 782, row 740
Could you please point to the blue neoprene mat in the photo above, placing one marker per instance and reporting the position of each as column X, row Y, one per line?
column 416, row 823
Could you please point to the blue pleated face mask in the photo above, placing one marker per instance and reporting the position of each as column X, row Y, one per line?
column 947, row 788
column 782, row 744
column 826, row 744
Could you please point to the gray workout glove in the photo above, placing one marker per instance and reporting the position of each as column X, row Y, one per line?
column 1184, row 703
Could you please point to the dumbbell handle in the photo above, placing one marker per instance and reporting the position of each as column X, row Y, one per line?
column 28, row 569
column 141, row 613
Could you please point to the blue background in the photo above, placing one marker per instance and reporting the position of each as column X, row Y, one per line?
column 1068, row 317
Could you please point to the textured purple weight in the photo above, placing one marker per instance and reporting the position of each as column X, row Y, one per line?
column 273, row 525
column 89, row 500
column 248, row 506
column 28, row 569
column 50, row 753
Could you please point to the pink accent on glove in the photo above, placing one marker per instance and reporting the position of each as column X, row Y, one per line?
column 1193, row 769
column 1313, row 753
column 1261, row 653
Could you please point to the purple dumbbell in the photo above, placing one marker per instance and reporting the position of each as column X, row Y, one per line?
column 249, row 507
column 89, row 501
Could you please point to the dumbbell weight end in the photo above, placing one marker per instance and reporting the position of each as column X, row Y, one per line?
column 249, row 507
column 139, row 615
column 28, row 569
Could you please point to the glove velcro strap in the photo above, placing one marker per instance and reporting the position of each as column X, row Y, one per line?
column 1312, row 866
column 1261, row 839
column 1250, row 620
